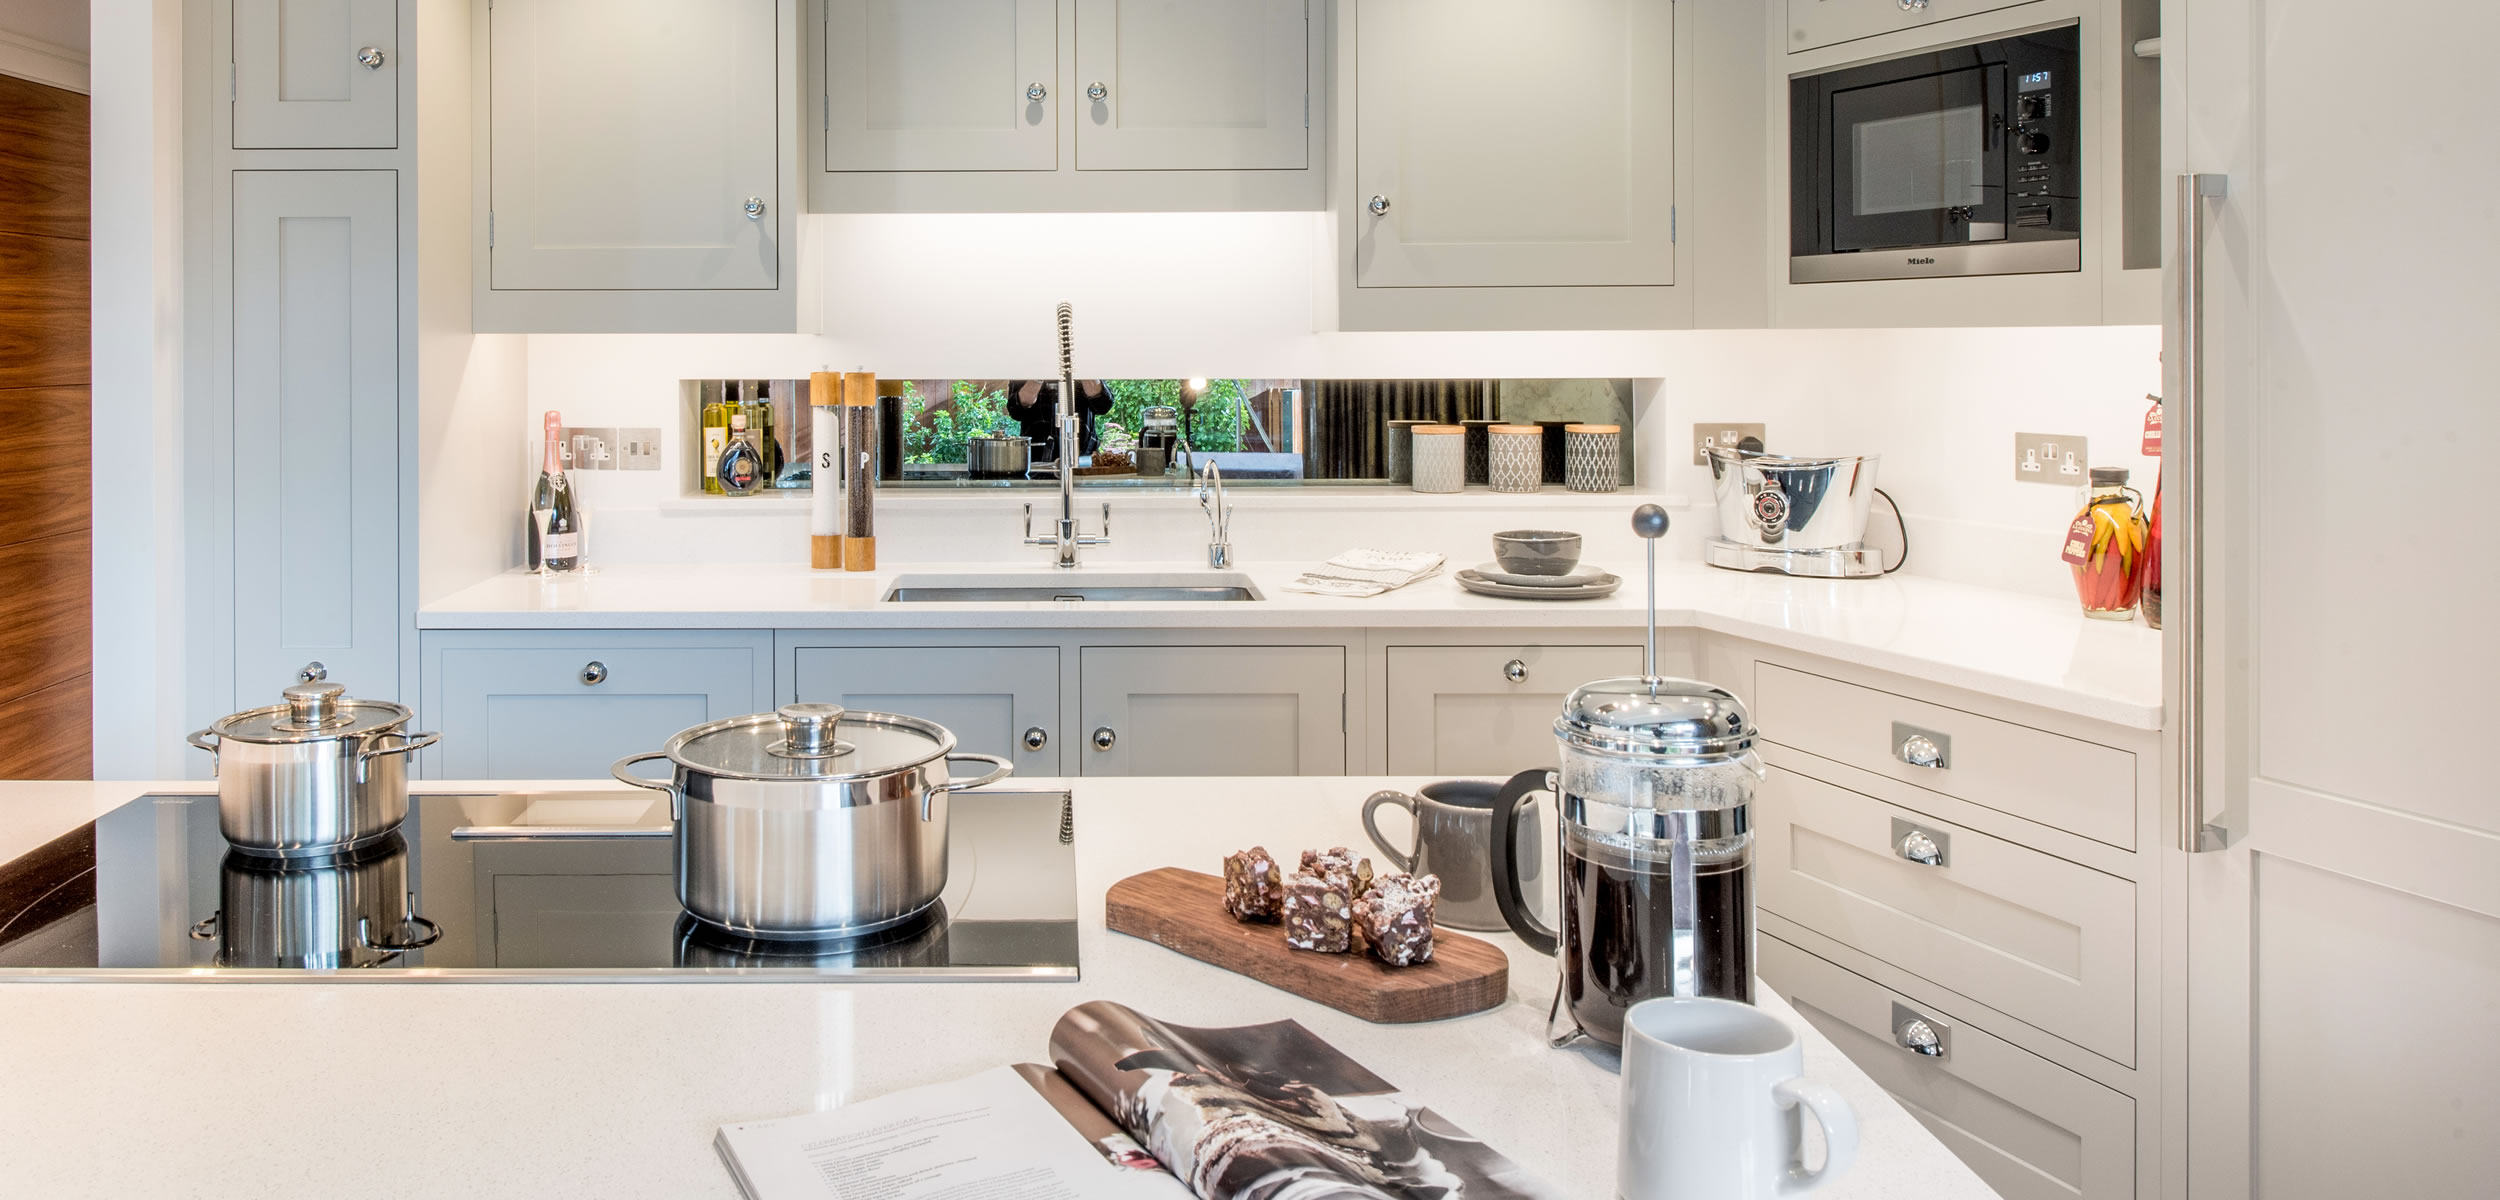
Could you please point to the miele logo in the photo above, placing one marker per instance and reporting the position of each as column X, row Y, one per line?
column 1922, row 262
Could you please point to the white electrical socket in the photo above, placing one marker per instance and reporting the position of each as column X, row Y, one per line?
column 2058, row 458
column 1707, row 435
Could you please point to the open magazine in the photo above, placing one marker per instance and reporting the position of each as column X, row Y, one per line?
column 1254, row 1112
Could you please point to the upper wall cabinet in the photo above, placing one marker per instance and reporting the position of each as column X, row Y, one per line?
column 1168, row 85
column 316, row 74
column 941, row 85
column 1063, row 105
column 1514, row 165
column 1813, row 24
column 637, row 169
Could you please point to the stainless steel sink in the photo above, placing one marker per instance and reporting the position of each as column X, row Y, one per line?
column 1027, row 588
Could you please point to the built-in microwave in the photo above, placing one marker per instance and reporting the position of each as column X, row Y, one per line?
column 1959, row 161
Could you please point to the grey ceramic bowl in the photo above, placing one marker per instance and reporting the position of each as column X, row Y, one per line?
column 1537, row 551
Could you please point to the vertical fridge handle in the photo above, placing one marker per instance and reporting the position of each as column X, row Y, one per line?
column 2184, row 431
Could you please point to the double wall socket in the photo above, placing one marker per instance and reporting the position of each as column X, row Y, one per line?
column 1724, row 433
column 2052, row 458
column 607, row 448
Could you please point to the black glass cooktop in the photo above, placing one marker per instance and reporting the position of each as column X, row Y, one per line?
column 558, row 886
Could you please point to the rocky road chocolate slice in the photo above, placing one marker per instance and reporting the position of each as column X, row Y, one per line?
column 1254, row 886
column 1394, row 918
column 1319, row 915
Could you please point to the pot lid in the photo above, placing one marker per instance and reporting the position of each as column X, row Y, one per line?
column 312, row 712
column 1656, row 717
column 810, row 741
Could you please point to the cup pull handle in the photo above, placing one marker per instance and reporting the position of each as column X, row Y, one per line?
column 1926, row 847
column 1922, row 747
column 1919, row 1033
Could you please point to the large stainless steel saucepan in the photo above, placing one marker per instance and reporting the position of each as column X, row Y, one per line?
column 316, row 775
column 811, row 822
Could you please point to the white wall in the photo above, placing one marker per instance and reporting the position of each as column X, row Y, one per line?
column 46, row 41
column 1233, row 294
column 136, row 116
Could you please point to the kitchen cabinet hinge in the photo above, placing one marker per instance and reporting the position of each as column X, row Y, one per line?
column 490, row 229
column 1671, row 222
column 232, row 92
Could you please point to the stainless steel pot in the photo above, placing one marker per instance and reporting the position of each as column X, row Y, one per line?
column 810, row 822
column 998, row 457
column 347, row 911
column 316, row 775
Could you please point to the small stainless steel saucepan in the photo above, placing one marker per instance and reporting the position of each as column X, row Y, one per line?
column 316, row 775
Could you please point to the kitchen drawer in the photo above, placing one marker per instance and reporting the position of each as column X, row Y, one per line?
column 1000, row 700
column 1816, row 23
column 1487, row 710
column 1211, row 710
column 2029, row 934
column 2081, row 787
column 2031, row 1129
column 566, row 705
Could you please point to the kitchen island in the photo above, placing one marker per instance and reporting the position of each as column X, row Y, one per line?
column 615, row 1090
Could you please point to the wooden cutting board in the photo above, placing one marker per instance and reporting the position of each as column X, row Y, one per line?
column 1184, row 911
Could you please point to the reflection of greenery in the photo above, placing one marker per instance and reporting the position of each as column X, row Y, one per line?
column 938, row 436
column 1212, row 421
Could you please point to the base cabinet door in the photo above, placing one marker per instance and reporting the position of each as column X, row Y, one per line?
column 1211, row 710
column 635, row 145
column 316, row 74
column 565, row 705
column 1547, row 159
column 941, row 85
column 316, row 431
column 1001, row 700
column 1192, row 87
column 1487, row 710
column 2031, row 1129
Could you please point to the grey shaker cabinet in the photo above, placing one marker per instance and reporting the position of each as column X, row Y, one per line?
column 316, row 74
column 638, row 170
column 566, row 704
column 1211, row 710
column 315, row 464
column 941, row 85
column 1191, row 86
column 1001, row 700
column 1487, row 710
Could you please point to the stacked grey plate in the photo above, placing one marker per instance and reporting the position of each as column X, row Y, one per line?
column 1584, row 583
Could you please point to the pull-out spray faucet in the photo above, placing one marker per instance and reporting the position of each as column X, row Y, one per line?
column 1064, row 536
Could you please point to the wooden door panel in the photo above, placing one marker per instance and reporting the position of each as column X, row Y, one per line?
column 43, row 160
column 43, row 292
column 47, row 735
column 44, row 599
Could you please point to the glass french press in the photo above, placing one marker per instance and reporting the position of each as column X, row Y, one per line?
column 1655, row 842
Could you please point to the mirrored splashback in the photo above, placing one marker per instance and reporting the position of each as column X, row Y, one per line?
column 1149, row 433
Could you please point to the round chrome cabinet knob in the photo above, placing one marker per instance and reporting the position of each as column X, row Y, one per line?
column 1514, row 670
column 1103, row 738
column 1036, row 738
column 371, row 58
column 312, row 672
column 594, row 673
column 1036, row 93
column 1096, row 93
column 753, row 208
column 1379, row 206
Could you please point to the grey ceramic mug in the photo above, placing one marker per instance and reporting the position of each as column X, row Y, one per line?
column 1453, row 839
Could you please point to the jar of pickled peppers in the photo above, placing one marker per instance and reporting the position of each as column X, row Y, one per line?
column 2106, row 546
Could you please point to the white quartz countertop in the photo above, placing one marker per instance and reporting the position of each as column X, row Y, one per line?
column 2014, row 646
column 615, row 1090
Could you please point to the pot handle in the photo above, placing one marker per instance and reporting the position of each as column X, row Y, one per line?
column 408, row 743
column 201, row 740
column 432, row 934
column 676, row 810
column 999, row 769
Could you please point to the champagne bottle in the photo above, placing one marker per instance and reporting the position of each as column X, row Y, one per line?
column 741, row 467
column 556, row 538
column 716, row 434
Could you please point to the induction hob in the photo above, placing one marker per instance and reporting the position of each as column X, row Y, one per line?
column 556, row 886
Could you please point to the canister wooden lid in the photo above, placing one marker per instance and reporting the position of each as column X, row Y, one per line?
column 1429, row 430
column 1518, row 429
column 1592, row 429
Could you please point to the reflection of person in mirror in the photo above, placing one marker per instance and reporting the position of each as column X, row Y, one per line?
column 1034, row 403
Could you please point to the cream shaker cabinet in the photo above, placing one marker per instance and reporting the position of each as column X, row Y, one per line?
column 941, row 85
column 1191, row 85
column 1498, row 146
column 1488, row 710
column 638, row 166
column 315, row 437
column 1211, row 710
column 316, row 74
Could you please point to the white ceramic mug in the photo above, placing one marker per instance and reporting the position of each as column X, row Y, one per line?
column 1712, row 1095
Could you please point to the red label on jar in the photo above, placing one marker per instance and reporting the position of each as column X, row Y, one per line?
column 2152, row 432
column 2079, row 541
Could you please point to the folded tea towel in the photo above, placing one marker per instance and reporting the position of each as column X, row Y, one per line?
column 1366, row 573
